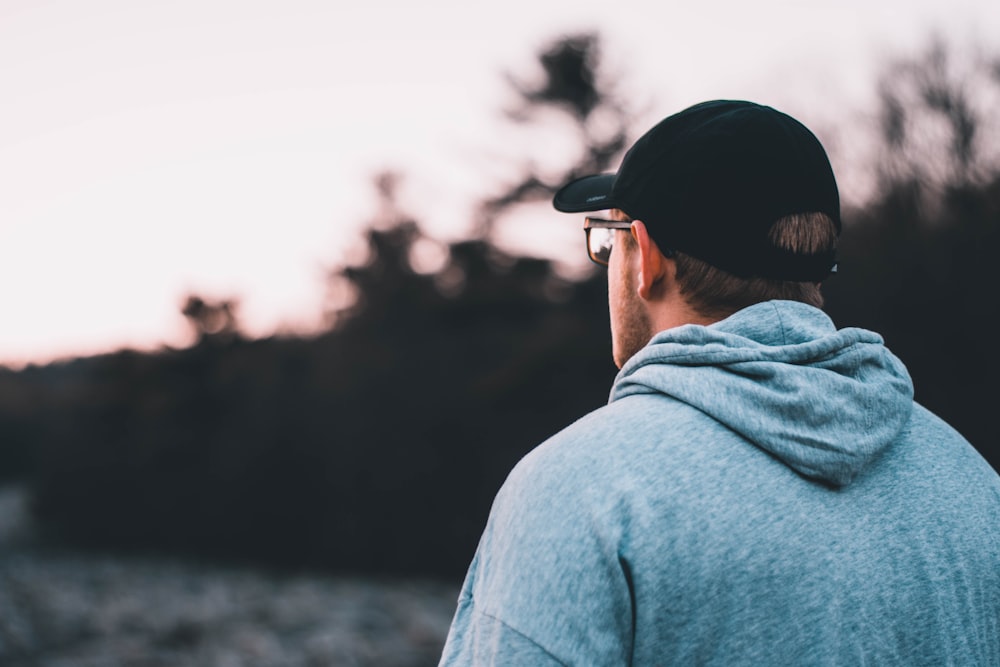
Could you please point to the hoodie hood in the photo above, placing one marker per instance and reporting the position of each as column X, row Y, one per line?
column 824, row 402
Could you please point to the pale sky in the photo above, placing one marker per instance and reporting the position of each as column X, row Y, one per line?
column 149, row 149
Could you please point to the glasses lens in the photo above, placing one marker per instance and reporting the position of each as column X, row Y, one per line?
column 599, row 242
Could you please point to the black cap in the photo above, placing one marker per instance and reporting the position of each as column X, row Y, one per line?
column 711, row 180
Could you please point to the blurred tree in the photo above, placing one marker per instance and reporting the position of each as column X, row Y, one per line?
column 938, row 120
column 574, row 84
column 917, row 262
column 212, row 321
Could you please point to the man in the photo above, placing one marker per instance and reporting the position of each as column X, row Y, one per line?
column 761, row 488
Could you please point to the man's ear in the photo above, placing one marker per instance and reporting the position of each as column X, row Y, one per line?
column 652, row 264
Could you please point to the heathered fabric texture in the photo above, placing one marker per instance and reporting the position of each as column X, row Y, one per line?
column 761, row 491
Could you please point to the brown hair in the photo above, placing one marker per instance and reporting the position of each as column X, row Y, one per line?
column 715, row 293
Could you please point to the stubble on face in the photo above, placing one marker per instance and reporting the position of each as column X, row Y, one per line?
column 631, row 327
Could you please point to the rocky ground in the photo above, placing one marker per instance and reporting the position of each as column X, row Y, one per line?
column 63, row 609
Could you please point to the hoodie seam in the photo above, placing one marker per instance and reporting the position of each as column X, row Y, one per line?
column 869, row 400
column 520, row 634
column 781, row 322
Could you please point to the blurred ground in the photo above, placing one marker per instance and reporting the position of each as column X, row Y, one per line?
column 62, row 609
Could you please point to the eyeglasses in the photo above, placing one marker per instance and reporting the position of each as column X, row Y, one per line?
column 601, row 236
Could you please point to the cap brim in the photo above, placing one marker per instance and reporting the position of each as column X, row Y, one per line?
column 590, row 193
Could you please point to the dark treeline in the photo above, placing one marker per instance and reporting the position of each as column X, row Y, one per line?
column 378, row 445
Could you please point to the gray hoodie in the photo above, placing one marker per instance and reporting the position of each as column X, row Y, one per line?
column 761, row 491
